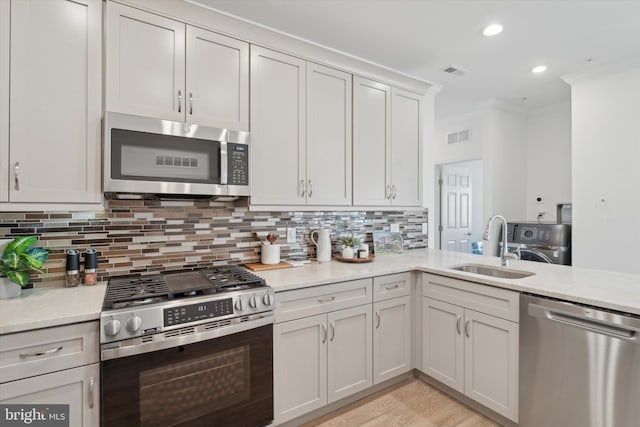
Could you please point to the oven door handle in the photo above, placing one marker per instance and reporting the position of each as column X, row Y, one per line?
column 160, row 341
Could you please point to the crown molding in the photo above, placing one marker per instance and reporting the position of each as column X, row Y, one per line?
column 503, row 105
column 602, row 70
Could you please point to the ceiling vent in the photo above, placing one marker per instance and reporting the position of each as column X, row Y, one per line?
column 454, row 70
column 460, row 136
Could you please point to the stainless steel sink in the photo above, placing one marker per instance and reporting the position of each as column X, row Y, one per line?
column 488, row 270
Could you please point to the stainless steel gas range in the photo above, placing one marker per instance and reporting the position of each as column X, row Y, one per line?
column 188, row 349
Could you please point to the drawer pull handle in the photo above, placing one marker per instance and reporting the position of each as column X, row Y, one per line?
column 41, row 353
column 378, row 318
column 396, row 286
column 333, row 330
column 16, row 178
column 91, row 393
column 458, row 324
column 324, row 333
column 329, row 299
column 466, row 328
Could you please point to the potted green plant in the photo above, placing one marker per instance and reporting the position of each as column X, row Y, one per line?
column 349, row 243
column 18, row 259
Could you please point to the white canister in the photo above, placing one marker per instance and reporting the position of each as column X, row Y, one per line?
column 270, row 254
column 363, row 251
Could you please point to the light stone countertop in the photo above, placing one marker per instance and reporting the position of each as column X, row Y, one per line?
column 45, row 307
column 617, row 291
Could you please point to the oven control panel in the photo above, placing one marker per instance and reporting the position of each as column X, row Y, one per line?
column 194, row 312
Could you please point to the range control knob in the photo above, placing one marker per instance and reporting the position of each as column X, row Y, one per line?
column 134, row 323
column 254, row 301
column 112, row 327
column 241, row 304
column 268, row 299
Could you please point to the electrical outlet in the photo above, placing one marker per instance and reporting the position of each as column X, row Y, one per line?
column 291, row 235
column 425, row 228
column 395, row 228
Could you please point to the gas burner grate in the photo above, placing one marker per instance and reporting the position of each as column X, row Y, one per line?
column 232, row 278
column 136, row 290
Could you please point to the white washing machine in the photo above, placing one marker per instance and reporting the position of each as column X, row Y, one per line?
column 541, row 242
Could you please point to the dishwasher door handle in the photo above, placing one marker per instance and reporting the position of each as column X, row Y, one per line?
column 599, row 326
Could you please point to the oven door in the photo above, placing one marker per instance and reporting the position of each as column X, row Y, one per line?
column 145, row 155
column 225, row 381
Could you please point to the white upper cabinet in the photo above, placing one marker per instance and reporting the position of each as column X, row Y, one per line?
column 406, row 148
column 328, row 136
column 145, row 56
column 277, row 128
column 161, row 68
column 54, row 98
column 387, row 145
column 371, row 143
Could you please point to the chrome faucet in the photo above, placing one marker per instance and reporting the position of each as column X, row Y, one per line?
column 504, row 254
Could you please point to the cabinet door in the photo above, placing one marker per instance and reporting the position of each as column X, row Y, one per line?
column 443, row 342
column 349, row 352
column 55, row 102
column 406, row 148
column 371, row 142
column 277, row 128
column 145, row 56
column 328, row 136
column 217, row 80
column 300, row 366
column 491, row 362
column 5, row 38
column 78, row 387
column 391, row 338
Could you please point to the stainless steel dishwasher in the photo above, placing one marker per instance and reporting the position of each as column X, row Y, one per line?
column 579, row 365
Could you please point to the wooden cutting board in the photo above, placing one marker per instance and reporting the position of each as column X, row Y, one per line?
column 264, row 267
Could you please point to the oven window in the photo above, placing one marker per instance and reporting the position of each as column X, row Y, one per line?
column 154, row 157
column 174, row 394
column 225, row 381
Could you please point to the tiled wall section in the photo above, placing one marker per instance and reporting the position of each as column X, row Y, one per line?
column 152, row 235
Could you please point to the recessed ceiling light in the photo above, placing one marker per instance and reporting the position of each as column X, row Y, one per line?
column 492, row 30
column 539, row 69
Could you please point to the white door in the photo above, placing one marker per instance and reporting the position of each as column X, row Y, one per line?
column 299, row 366
column 55, row 101
column 145, row 67
column 491, row 362
column 78, row 387
column 406, row 148
column 328, row 136
column 371, row 143
column 277, row 128
column 443, row 342
column 350, row 352
column 391, row 338
column 456, row 209
column 217, row 80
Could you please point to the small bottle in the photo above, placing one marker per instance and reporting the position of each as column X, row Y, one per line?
column 73, row 268
column 90, row 267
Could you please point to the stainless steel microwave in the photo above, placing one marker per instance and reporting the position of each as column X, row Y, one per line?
column 151, row 156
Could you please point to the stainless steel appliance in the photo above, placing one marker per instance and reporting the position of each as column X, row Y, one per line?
column 541, row 242
column 579, row 365
column 187, row 349
column 144, row 155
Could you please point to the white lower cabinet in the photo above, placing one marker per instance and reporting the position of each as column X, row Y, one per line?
column 391, row 338
column 321, row 359
column 473, row 352
column 78, row 387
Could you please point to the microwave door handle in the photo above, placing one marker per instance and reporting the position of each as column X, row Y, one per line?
column 223, row 163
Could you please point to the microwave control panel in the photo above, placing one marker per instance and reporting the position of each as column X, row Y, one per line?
column 238, row 164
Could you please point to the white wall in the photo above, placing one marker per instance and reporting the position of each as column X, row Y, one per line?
column 548, row 161
column 461, row 151
column 606, row 170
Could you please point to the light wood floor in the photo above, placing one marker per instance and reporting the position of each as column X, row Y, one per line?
column 410, row 403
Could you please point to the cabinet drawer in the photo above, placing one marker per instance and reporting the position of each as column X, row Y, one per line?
column 322, row 299
column 391, row 286
column 482, row 298
column 31, row 353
